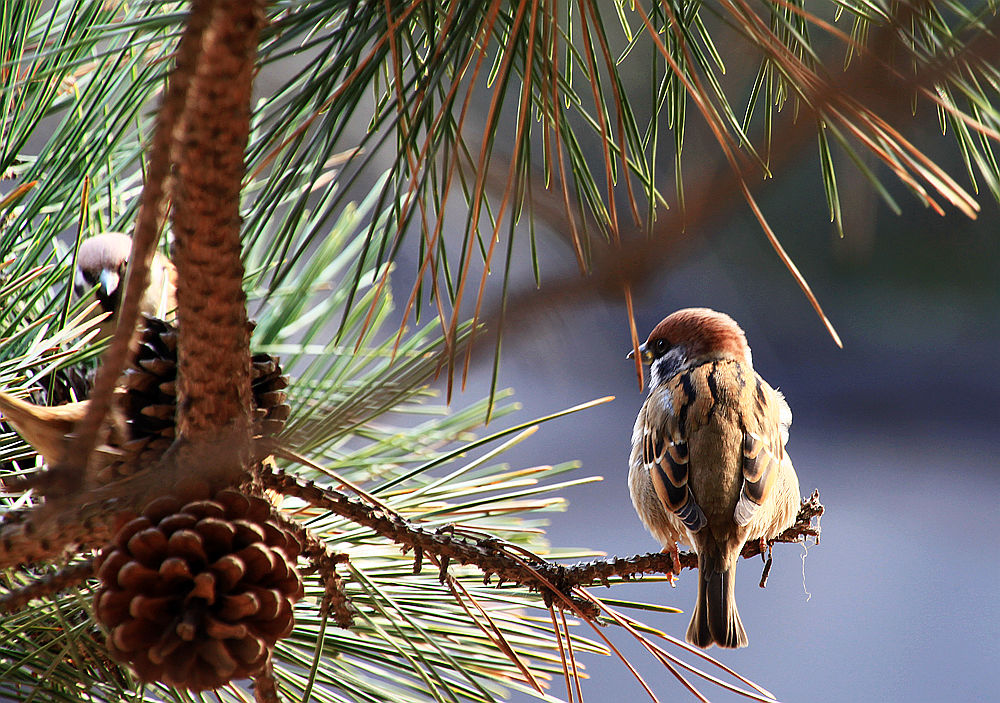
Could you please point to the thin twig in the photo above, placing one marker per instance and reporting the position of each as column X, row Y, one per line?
column 265, row 688
column 492, row 557
column 46, row 585
column 325, row 561
column 69, row 476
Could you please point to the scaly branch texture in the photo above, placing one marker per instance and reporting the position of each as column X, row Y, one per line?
column 47, row 585
column 602, row 570
column 491, row 556
column 52, row 529
column 214, row 347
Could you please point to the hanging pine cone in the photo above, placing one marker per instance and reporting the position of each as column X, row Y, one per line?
column 149, row 401
column 268, row 385
column 196, row 595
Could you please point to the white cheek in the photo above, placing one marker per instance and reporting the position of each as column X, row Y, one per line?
column 656, row 375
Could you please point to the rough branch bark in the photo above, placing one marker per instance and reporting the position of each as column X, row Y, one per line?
column 202, row 130
column 494, row 558
column 602, row 570
column 214, row 341
column 46, row 585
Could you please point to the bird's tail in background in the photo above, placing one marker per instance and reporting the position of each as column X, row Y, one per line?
column 715, row 619
column 42, row 427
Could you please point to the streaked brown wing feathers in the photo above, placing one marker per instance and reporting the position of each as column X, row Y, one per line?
column 665, row 447
column 763, row 450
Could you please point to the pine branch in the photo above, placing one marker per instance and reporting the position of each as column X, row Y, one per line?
column 48, row 531
column 265, row 688
column 603, row 570
column 643, row 255
column 46, row 586
column 147, row 232
column 554, row 581
column 325, row 561
column 213, row 352
column 336, row 601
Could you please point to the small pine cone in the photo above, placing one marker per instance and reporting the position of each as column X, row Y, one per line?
column 268, row 384
column 149, row 400
column 196, row 595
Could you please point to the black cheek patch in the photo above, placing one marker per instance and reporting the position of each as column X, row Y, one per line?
column 713, row 389
column 689, row 397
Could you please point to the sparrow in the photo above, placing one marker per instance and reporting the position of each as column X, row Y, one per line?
column 708, row 465
column 100, row 265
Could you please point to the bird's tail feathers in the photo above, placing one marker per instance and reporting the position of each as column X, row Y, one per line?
column 43, row 427
column 715, row 619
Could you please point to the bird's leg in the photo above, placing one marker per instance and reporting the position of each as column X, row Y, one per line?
column 675, row 558
column 766, row 549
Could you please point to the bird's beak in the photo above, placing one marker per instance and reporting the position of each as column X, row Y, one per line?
column 109, row 281
column 644, row 354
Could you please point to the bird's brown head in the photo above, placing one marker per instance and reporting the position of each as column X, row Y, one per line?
column 690, row 337
column 101, row 262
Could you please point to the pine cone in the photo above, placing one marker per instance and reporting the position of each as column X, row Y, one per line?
column 197, row 595
column 269, row 406
column 149, row 401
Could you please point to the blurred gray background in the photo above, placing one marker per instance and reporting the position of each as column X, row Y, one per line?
column 898, row 431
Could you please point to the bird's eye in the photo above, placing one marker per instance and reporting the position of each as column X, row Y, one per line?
column 660, row 346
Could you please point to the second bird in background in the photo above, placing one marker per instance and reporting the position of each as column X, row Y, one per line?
column 708, row 465
column 100, row 266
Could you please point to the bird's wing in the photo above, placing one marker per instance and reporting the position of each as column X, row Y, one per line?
column 43, row 427
column 765, row 431
column 161, row 296
column 671, row 413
